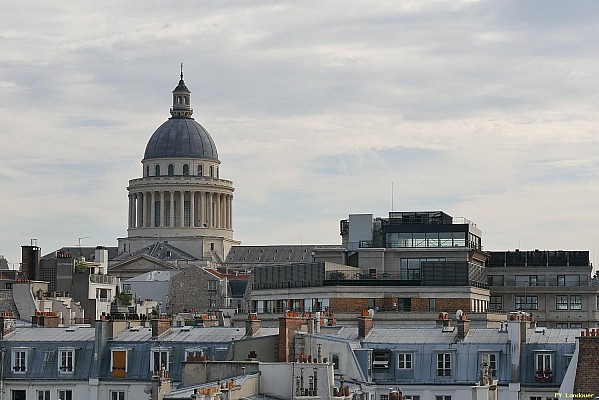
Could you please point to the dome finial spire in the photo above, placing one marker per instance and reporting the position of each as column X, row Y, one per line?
column 181, row 100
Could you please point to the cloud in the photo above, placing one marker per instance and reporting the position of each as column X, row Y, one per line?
column 483, row 109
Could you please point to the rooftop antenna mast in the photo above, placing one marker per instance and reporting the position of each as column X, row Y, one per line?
column 79, row 245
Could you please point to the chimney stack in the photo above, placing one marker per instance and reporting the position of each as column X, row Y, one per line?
column 364, row 324
column 159, row 326
column 463, row 328
column 252, row 324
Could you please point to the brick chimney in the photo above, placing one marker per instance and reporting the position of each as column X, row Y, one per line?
column 159, row 326
column 364, row 324
column 463, row 328
column 7, row 323
column 252, row 324
column 288, row 324
column 587, row 368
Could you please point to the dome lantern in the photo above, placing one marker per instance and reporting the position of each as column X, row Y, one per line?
column 181, row 100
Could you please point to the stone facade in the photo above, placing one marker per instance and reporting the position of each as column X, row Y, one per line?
column 195, row 289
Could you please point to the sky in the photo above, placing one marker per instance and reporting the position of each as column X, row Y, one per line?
column 483, row 109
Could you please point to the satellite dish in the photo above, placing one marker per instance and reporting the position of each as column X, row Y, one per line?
column 148, row 389
column 370, row 312
column 458, row 315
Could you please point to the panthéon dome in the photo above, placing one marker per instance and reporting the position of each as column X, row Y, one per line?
column 181, row 136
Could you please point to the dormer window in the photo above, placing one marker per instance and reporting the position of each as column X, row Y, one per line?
column 19, row 360
column 119, row 358
column 66, row 361
column 159, row 359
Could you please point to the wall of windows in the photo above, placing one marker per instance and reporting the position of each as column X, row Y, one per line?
column 526, row 302
column 427, row 239
column 409, row 268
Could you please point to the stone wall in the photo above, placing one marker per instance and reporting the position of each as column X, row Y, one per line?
column 7, row 303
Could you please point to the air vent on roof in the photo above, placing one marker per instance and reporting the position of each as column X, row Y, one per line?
column 448, row 329
column 70, row 329
column 186, row 328
column 134, row 329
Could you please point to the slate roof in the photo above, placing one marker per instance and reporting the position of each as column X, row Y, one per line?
column 88, row 252
column 181, row 137
column 270, row 254
column 159, row 251
column 153, row 276
column 552, row 336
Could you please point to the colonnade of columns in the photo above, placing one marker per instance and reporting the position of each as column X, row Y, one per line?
column 170, row 209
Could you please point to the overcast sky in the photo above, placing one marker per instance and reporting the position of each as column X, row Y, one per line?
column 485, row 110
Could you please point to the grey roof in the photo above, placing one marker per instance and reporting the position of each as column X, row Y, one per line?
column 181, row 137
column 188, row 334
column 159, row 251
column 31, row 334
column 270, row 254
column 410, row 335
column 552, row 335
column 153, row 276
column 88, row 252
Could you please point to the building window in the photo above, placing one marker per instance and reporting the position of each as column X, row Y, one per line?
column 66, row 360
column 117, row 395
column 411, row 397
column 496, row 303
column 126, row 287
column 404, row 361
column 527, row 302
column 443, row 397
column 561, row 280
column 575, row 302
column 495, row 280
column 217, row 174
column 119, row 363
column 526, row 280
column 575, row 325
column 491, row 360
column 432, row 304
column 157, row 170
column 18, row 395
column 159, row 360
column 335, row 361
column 200, row 170
column 384, row 397
column 185, row 169
column 147, row 170
column 42, row 395
column 171, row 170
column 543, row 367
column 212, row 285
column 444, row 364
column 65, row 395
column 211, row 171
column 561, row 325
column 561, row 302
column 19, row 361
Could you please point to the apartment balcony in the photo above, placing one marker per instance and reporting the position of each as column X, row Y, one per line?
column 103, row 279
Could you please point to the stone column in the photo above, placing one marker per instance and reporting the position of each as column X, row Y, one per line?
column 210, row 217
column 162, row 209
column 153, row 209
column 139, row 206
column 172, row 210
column 230, row 211
column 130, row 223
column 201, row 211
column 145, row 210
column 192, row 208
column 217, row 211
column 182, row 209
